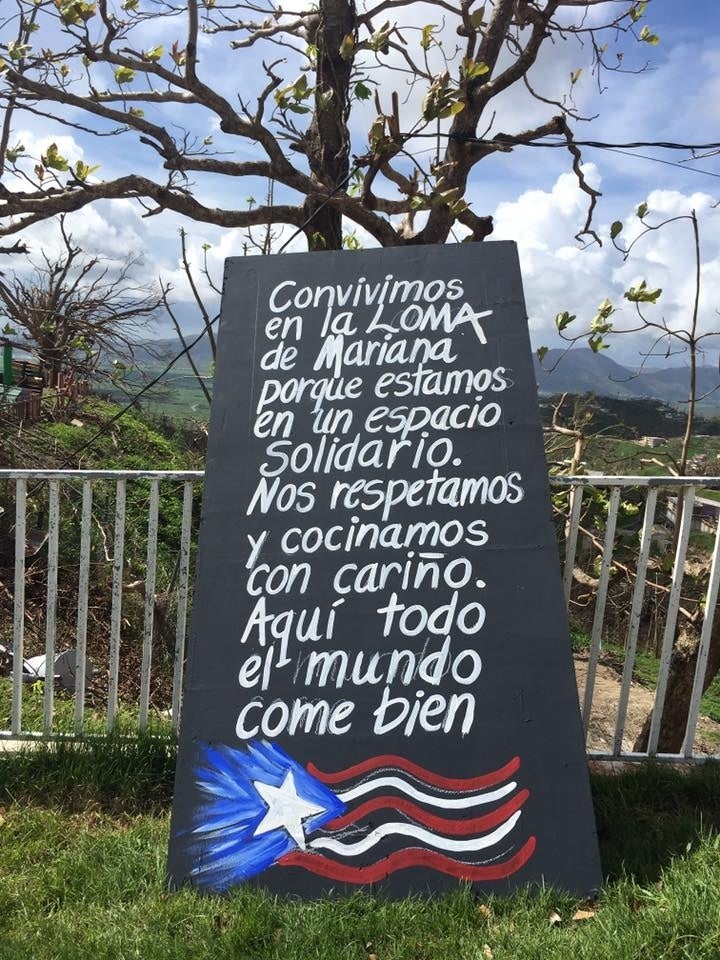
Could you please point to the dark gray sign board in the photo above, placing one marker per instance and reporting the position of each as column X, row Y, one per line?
column 380, row 688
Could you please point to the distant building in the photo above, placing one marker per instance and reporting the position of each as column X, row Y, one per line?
column 652, row 441
column 705, row 514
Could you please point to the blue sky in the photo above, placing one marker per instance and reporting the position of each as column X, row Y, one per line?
column 531, row 192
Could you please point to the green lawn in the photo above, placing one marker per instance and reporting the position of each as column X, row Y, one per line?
column 82, row 853
column 95, row 719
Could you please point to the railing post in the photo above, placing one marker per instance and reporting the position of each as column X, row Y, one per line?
column 571, row 535
column 181, row 628
column 116, row 611
column 671, row 620
column 19, row 606
column 51, row 609
column 635, row 612
column 82, row 609
column 598, row 619
column 149, row 604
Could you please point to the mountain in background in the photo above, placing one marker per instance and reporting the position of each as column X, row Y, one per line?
column 579, row 371
column 156, row 353
column 582, row 371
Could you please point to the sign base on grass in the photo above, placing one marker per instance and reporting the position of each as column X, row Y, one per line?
column 380, row 688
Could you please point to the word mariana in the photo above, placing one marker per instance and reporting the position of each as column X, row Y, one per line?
column 362, row 292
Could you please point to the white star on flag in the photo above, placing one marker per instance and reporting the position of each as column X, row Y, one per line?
column 286, row 810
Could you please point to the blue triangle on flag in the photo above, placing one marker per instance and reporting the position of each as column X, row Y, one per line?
column 255, row 805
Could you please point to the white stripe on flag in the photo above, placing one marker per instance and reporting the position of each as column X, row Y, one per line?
column 445, row 801
column 419, row 833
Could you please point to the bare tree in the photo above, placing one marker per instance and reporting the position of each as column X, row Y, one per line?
column 77, row 310
column 304, row 81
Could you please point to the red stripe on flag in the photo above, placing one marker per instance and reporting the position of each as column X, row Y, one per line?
column 391, row 760
column 404, row 859
column 440, row 824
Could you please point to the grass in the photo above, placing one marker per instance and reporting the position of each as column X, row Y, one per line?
column 95, row 719
column 118, row 775
column 82, row 875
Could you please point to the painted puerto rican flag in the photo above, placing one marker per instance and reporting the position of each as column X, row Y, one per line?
column 259, row 808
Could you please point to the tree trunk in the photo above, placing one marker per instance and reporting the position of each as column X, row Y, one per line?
column 328, row 139
column 679, row 690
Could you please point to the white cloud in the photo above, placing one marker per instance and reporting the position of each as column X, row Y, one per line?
column 559, row 275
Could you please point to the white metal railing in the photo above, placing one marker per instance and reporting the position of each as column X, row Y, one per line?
column 685, row 486
column 66, row 501
column 63, row 481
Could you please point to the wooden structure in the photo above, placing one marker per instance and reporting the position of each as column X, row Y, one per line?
column 25, row 380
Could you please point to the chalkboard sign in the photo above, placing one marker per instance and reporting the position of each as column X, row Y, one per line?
column 380, row 687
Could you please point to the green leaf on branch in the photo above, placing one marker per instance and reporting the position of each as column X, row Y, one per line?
column 477, row 17
column 136, row 112
column 564, row 319
column 154, row 53
column 54, row 160
column 380, row 40
column 362, row 91
column 300, row 89
column 18, row 50
column 129, row 5
column 376, row 134
column 13, row 153
column 290, row 96
column 541, row 353
column 82, row 171
column 595, row 342
column 178, row 54
column 347, row 46
column 637, row 10
column 76, row 11
column 471, row 69
column 605, row 309
column 616, row 229
column 575, row 76
column 441, row 100
column 642, row 210
column 641, row 294
column 599, row 325
column 322, row 101
column 648, row 37
column 427, row 32
column 124, row 75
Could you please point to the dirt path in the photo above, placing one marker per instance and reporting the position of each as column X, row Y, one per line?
column 604, row 713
